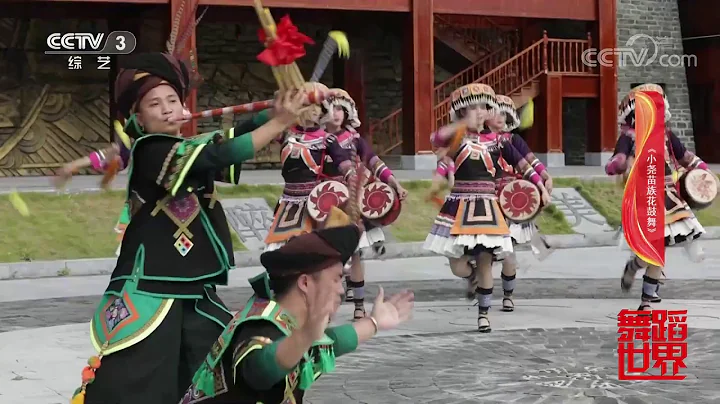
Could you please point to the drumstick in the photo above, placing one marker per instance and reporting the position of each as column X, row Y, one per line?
column 336, row 41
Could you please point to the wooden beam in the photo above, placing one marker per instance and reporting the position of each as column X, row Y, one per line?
column 190, row 128
column 86, row 11
column 96, row 1
column 581, row 87
column 418, row 80
column 607, row 28
column 585, row 10
column 357, row 5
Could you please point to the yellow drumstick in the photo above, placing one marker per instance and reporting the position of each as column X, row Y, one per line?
column 18, row 203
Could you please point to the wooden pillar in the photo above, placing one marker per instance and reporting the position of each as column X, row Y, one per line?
column 545, row 137
column 607, row 39
column 354, row 84
column 190, row 128
column 418, row 79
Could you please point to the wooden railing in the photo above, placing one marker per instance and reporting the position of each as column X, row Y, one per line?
column 393, row 122
column 544, row 56
column 474, row 72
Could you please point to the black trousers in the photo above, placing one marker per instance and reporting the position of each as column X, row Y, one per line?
column 158, row 369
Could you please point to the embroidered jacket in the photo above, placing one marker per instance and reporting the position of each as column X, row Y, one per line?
column 178, row 239
column 241, row 366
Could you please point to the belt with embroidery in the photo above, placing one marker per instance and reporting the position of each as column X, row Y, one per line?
column 473, row 187
column 299, row 188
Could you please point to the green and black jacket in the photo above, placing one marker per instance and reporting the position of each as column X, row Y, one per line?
column 242, row 366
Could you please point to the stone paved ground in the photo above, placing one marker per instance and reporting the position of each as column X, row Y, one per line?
column 51, row 312
column 567, row 365
column 433, row 358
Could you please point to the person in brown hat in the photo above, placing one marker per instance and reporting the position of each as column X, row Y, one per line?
column 280, row 343
column 160, row 312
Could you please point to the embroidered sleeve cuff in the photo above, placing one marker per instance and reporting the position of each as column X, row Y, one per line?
column 532, row 176
column 538, row 166
column 695, row 162
column 611, row 168
column 442, row 169
column 437, row 141
column 345, row 337
column 260, row 368
column 97, row 160
column 383, row 172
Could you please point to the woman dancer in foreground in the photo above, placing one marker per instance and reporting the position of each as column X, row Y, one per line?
column 305, row 155
column 341, row 118
column 681, row 225
column 470, row 223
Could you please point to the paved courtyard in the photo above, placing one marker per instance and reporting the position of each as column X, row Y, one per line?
column 548, row 351
column 566, row 365
column 557, row 347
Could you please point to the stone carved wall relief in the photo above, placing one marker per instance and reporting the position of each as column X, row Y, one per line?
column 49, row 115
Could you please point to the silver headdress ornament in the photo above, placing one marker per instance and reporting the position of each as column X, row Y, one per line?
column 507, row 106
column 471, row 94
column 627, row 106
column 341, row 98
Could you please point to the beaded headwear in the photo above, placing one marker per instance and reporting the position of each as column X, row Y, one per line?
column 312, row 115
column 340, row 98
column 627, row 106
column 471, row 94
column 507, row 106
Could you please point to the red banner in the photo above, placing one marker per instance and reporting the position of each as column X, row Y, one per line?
column 643, row 209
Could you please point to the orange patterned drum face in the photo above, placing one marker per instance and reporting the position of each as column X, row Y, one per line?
column 324, row 196
column 698, row 188
column 520, row 201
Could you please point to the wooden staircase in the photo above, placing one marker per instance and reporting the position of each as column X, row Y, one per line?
column 473, row 43
column 517, row 77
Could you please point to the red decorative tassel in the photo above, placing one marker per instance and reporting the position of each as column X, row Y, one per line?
column 287, row 46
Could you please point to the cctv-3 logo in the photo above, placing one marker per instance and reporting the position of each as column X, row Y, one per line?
column 84, row 43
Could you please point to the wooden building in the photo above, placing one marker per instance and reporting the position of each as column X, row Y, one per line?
column 701, row 42
column 522, row 48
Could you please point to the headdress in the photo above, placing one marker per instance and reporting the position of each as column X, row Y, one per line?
column 312, row 252
column 471, row 94
column 340, row 97
column 626, row 110
column 312, row 115
column 507, row 106
column 140, row 73
column 309, row 253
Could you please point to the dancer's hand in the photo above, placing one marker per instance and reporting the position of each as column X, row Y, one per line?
column 546, row 198
column 320, row 307
column 288, row 107
column 63, row 176
column 398, row 309
column 549, row 185
column 402, row 192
